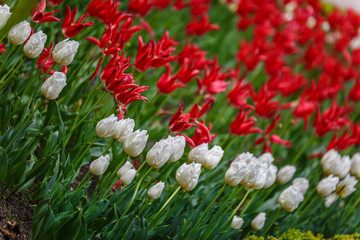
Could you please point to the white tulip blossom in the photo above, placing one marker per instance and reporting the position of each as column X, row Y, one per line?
column 156, row 190
column 302, row 184
column 64, row 52
column 4, row 15
column 290, row 198
column 106, row 127
column 35, row 45
column 237, row 222
column 327, row 185
column 52, row 87
column 271, row 176
column 235, row 173
column 19, row 33
column 187, row 175
column 355, row 165
column 198, row 153
column 159, row 154
column 123, row 128
column 177, row 147
column 285, row 174
column 99, row 166
column 333, row 163
column 259, row 221
column 135, row 143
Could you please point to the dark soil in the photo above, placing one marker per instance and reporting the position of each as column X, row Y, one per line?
column 16, row 216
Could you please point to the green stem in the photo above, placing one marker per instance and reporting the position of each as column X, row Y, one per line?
column 135, row 192
column 7, row 77
column 83, row 182
column 108, row 147
column 154, row 220
column 239, row 205
column 273, row 221
column 208, row 208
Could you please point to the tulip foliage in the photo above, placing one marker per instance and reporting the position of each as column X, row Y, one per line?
column 181, row 119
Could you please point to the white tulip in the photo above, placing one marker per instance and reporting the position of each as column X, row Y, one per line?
column 19, row 33
column 177, row 148
column 35, row 45
column 266, row 158
column 198, row 153
column 347, row 186
column 159, row 154
column 127, row 178
column 258, row 222
column 52, row 87
column 341, row 167
column 237, row 222
column 271, row 176
column 4, row 15
column 99, row 166
column 328, row 160
column 235, row 173
column 124, row 169
column 285, row 174
column 302, row 184
column 135, row 142
column 252, row 174
column 331, row 199
column 187, row 175
column 261, row 177
column 123, row 128
column 327, row 185
column 64, row 52
column 106, row 127
column 245, row 157
column 290, row 198
column 156, row 190
column 355, row 165
column 213, row 157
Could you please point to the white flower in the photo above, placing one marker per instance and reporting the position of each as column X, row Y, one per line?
column 290, row 198
column 52, row 87
column 123, row 128
column 355, row 165
column 19, row 33
column 259, row 221
column 302, row 184
column 237, row 222
column 271, row 176
column 35, row 45
column 266, row 158
column 156, row 190
column 198, row 153
column 177, row 148
column 106, row 127
column 285, row 174
column 235, row 173
column 327, row 161
column 341, row 167
column 124, row 169
column 159, row 154
column 135, row 143
column 261, row 177
column 127, row 178
column 187, row 175
column 331, row 199
column 213, row 157
column 245, row 157
column 99, row 166
column 4, row 15
column 327, row 185
column 64, row 52
column 347, row 186
column 252, row 174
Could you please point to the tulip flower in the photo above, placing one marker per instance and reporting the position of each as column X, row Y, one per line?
column 106, row 127
column 64, row 52
column 156, row 190
column 123, row 128
column 302, row 184
column 19, row 33
column 285, row 174
column 159, row 154
column 4, row 15
column 290, row 198
column 99, row 166
column 235, row 173
column 52, row 87
column 333, row 163
column 135, row 142
column 177, row 148
column 270, row 176
column 258, row 222
column 198, row 153
column 237, row 222
column 35, row 45
column 327, row 185
column 187, row 175
column 355, row 165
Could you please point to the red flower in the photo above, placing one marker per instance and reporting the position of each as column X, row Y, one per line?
column 202, row 134
column 167, row 84
column 141, row 7
column 239, row 94
column 187, row 71
column 197, row 112
column 69, row 27
column 354, row 93
column 200, row 27
column 2, row 47
column 286, row 82
column 243, row 125
column 39, row 16
column 179, row 121
column 304, row 110
column 45, row 62
column 106, row 11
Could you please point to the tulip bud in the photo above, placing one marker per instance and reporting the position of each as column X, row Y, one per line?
column 331, row 199
column 235, row 173
column 135, row 143
column 106, row 127
column 187, row 175
column 326, row 186
column 124, row 169
column 19, row 33
column 122, row 129
column 355, row 165
column 271, row 176
column 99, row 166
column 290, row 198
column 237, row 222
column 213, row 157
column 302, row 184
column 346, row 186
column 127, row 178
column 341, row 167
column 177, row 148
column 285, row 174
column 156, row 190
column 258, row 222
column 261, row 177
column 328, row 160
column 4, row 15
column 198, row 154
column 64, row 52
column 35, row 45
column 52, row 87
column 159, row 154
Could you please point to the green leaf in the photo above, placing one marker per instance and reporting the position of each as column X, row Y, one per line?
column 71, row 229
column 3, row 164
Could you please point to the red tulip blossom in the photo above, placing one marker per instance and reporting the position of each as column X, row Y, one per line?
column 70, row 28
column 39, row 16
column 242, row 125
